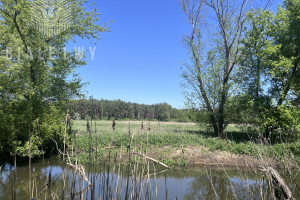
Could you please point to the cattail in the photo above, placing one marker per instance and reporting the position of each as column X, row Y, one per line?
column 149, row 128
column 67, row 122
column 114, row 124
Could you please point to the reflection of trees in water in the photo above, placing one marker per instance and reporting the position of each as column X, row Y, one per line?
column 111, row 181
column 39, row 179
column 107, row 183
column 201, row 188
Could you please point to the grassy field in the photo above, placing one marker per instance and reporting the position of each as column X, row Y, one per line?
column 165, row 138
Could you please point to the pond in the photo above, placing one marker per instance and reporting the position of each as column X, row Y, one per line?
column 136, row 181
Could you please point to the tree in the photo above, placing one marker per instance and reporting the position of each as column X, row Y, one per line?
column 253, row 58
column 37, row 74
column 77, row 116
column 162, row 112
column 284, row 51
column 271, row 47
column 212, row 79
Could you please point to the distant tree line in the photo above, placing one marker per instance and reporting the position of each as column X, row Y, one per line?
column 109, row 109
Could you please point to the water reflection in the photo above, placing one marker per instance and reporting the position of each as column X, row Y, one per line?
column 52, row 177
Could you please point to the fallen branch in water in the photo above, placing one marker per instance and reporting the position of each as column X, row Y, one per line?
column 152, row 159
column 78, row 167
column 279, row 182
column 59, row 151
column 80, row 170
column 162, row 171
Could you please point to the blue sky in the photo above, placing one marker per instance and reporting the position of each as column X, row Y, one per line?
column 140, row 59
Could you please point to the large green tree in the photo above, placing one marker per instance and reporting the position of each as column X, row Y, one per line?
column 270, row 59
column 37, row 72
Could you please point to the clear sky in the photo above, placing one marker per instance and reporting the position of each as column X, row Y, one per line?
column 140, row 59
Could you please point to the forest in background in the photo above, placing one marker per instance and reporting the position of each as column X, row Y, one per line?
column 103, row 109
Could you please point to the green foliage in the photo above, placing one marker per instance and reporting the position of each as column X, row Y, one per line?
column 77, row 116
column 35, row 89
column 270, row 61
column 87, row 118
column 30, row 148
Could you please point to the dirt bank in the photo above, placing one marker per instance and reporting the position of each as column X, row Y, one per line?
column 192, row 155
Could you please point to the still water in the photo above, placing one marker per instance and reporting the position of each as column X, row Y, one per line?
column 134, row 182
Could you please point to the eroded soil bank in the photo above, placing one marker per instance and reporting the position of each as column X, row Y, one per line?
column 200, row 155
